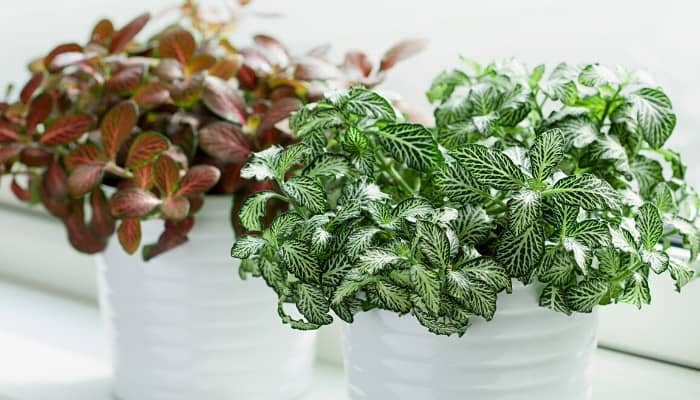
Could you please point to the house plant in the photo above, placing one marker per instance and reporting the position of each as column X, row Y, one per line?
column 144, row 140
column 559, row 183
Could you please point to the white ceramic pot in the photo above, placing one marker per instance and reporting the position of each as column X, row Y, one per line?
column 184, row 325
column 526, row 352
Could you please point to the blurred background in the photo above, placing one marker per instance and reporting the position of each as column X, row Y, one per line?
column 657, row 36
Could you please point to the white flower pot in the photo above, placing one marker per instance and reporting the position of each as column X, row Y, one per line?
column 184, row 325
column 526, row 352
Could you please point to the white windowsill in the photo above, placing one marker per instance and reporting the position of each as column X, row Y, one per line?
column 52, row 349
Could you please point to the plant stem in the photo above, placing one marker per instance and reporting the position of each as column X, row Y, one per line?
column 607, row 108
column 389, row 168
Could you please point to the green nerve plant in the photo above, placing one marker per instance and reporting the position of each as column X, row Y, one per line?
column 561, row 181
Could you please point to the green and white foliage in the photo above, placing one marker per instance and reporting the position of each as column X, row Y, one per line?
column 559, row 178
column 593, row 209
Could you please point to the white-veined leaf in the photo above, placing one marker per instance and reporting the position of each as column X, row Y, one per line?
column 586, row 295
column 262, row 164
column 553, row 298
column 650, row 225
column 524, row 209
column 290, row 156
column 655, row 117
column 411, row 144
column 369, row 104
column 487, row 270
column 578, row 132
column 313, row 304
column 247, row 246
column 374, row 260
column 546, row 153
column 656, row 260
column 427, row 284
column 597, row 75
column 490, row 167
column 647, row 172
column 393, row 297
column 680, row 272
column 331, row 165
column 455, row 183
column 254, row 208
column 520, row 253
column 306, row 192
column 412, row 208
column 664, row 199
column 586, row 191
column 434, row 243
column 360, row 240
column 473, row 225
column 336, row 268
column 556, row 268
column 298, row 259
column 282, row 225
column 636, row 290
column 582, row 253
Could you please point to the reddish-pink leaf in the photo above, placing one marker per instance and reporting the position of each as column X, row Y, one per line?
column 133, row 203
column 316, row 69
column 35, row 157
column 84, row 178
column 20, row 192
column 174, row 235
column 102, row 32
column 357, row 65
column 273, row 50
column 58, row 207
column 117, row 125
column 247, row 77
column 80, row 235
column 126, row 80
column 66, row 129
column 225, row 142
column 129, row 233
column 231, row 180
column 101, row 221
column 199, row 179
column 61, row 49
column 224, row 100
column 152, row 95
column 401, row 51
column 186, row 92
column 256, row 60
column 227, row 68
column 8, row 132
column 123, row 36
column 145, row 148
column 169, row 69
column 30, row 87
column 279, row 110
column 86, row 153
column 39, row 108
column 9, row 151
column 143, row 177
column 178, row 44
column 175, row 208
column 184, row 138
column 166, row 174
column 55, row 181
column 196, row 203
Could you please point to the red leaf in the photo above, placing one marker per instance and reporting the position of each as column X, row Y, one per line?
column 102, row 32
column 55, row 182
column 247, row 77
column 117, row 125
column 184, row 138
column 224, row 100
column 273, row 50
column 169, row 69
column 123, row 36
column 84, row 178
column 101, row 221
column 143, row 177
column 151, row 95
column 9, row 151
column 315, row 69
column 30, row 87
column 357, row 65
column 199, row 179
column 59, row 207
column 186, row 92
column 175, row 208
column 39, row 109
column 133, row 203
column 8, row 132
column 80, row 235
column 20, row 192
column 166, row 174
column 279, row 110
column 61, row 49
column 178, row 44
column 174, row 235
column 35, row 157
column 66, row 129
column 126, row 80
column 227, row 68
column 129, row 233
column 145, row 148
column 231, row 180
column 225, row 142
column 86, row 153
column 401, row 51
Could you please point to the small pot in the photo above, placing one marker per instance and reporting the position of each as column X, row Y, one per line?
column 184, row 325
column 526, row 352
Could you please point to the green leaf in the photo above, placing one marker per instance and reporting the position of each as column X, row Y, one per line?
column 412, row 208
column 283, row 225
column 306, row 192
column 473, row 225
column 521, row 253
column 479, row 296
column 487, row 270
column 331, row 165
column 586, row 295
column 375, row 260
column 444, row 84
column 254, row 208
column 591, row 232
column 585, row 190
column 553, row 298
column 314, row 118
column 313, row 304
column 455, row 183
column 360, row 240
column 650, row 225
column 546, row 154
column 336, row 267
column 557, row 267
column 593, row 75
column 581, row 252
column 647, row 172
column 381, row 214
column 368, row 104
column 535, row 76
column 411, row 144
column 680, row 272
column 441, row 325
column 247, row 246
column 393, row 297
column 347, row 288
column 434, row 243
column 636, row 290
column 300, row 262
column 289, row 157
column 577, row 132
column 654, row 115
column 524, row 209
column 490, row 167
column 664, row 199
column 427, row 284
column 513, row 106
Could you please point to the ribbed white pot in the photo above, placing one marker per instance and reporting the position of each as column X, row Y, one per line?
column 185, row 326
column 525, row 353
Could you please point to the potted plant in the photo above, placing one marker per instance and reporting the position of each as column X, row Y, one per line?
column 562, row 185
column 143, row 138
